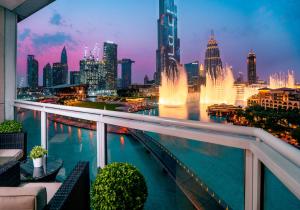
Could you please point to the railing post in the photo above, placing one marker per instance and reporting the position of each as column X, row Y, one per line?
column 256, row 182
column 101, row 144
column 248, row 180
column 44, row 130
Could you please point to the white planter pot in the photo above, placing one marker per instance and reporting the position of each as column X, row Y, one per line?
column 38, row 162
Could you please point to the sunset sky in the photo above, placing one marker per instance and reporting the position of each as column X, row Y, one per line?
column 271, row 28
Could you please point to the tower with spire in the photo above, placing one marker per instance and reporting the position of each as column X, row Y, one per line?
column 212, row 62
column 168, row 49
column 64, row 65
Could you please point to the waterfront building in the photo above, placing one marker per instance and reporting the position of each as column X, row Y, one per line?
column 168, row 50
column 110, row 64
column 286, row 98
column 32, row 72
column 66, row 91
column 193, row 73
column 47, row 76
column 92, row 73
column 126, row 71
column 74, row 77
column 212, row 62
column 251, row 67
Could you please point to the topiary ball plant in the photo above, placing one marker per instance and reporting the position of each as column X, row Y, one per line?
column 119, row 186
column 10, row 126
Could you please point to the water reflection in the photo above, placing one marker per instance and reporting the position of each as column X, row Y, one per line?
column 179, row 112
column 55, row 126
column 69, row 130
column 79, row 135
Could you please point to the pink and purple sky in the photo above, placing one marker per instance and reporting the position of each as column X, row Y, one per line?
column 271, row 28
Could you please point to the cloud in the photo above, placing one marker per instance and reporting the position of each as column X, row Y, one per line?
column 23, row 35
column 56, row 19
column 51, row 40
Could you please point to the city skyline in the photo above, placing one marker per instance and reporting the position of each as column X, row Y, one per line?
column 277, row 48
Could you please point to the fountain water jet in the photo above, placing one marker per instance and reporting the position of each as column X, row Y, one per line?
column 280, row 80
column 173, row 91
column 219, row 89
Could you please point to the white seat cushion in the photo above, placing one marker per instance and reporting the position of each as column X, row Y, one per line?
column 51, row 187
column 29, row 198
column 15, row 153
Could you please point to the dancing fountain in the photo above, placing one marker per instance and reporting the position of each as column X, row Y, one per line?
column 219, row 89
column 173, row 91
column 280, row 80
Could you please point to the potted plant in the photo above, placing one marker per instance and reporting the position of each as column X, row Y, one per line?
column 13, row 137
column 119, row 186
column 37, row 154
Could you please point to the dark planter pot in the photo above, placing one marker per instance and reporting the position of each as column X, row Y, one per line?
column 14, row 141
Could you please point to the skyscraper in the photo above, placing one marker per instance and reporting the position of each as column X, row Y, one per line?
column 212, row 62
column 74, row 77
column 126, row 72
column 251, row 66
column 192, row 70
column 32, row 72
column 47, row 76
column 64, row 65
column 168, row 50
column 110, row 61
column 92, row 73
column 58, row 74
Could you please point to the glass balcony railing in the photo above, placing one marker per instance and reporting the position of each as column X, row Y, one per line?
column 31, row 121
column 276, row 196
column 185, row 165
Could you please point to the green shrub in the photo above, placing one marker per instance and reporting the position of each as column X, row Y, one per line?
column 37, row 152
column 119, row 186
column 10, row 126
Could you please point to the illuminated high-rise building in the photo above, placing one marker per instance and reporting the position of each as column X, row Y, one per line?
column 192, row 70
column 47, row 76
column 32, row 72
column 251, row 67
column 126, row 72
column 168, row 50
column 58, row 74
column 92, row 73
column 212, row 62
column 110, row 65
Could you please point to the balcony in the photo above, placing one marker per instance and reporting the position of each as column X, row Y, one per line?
column 186, row 164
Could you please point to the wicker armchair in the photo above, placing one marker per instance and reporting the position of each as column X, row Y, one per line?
column 10, row 174
column 14, row 141
column 74, row 193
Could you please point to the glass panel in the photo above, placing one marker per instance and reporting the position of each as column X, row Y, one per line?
column 276, row 195
column 219, row 168
column 208, row 175
column 31, row 121
column 72, row 140
column 163, row 192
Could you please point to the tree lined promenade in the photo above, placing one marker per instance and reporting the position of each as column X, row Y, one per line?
column 282, row 123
